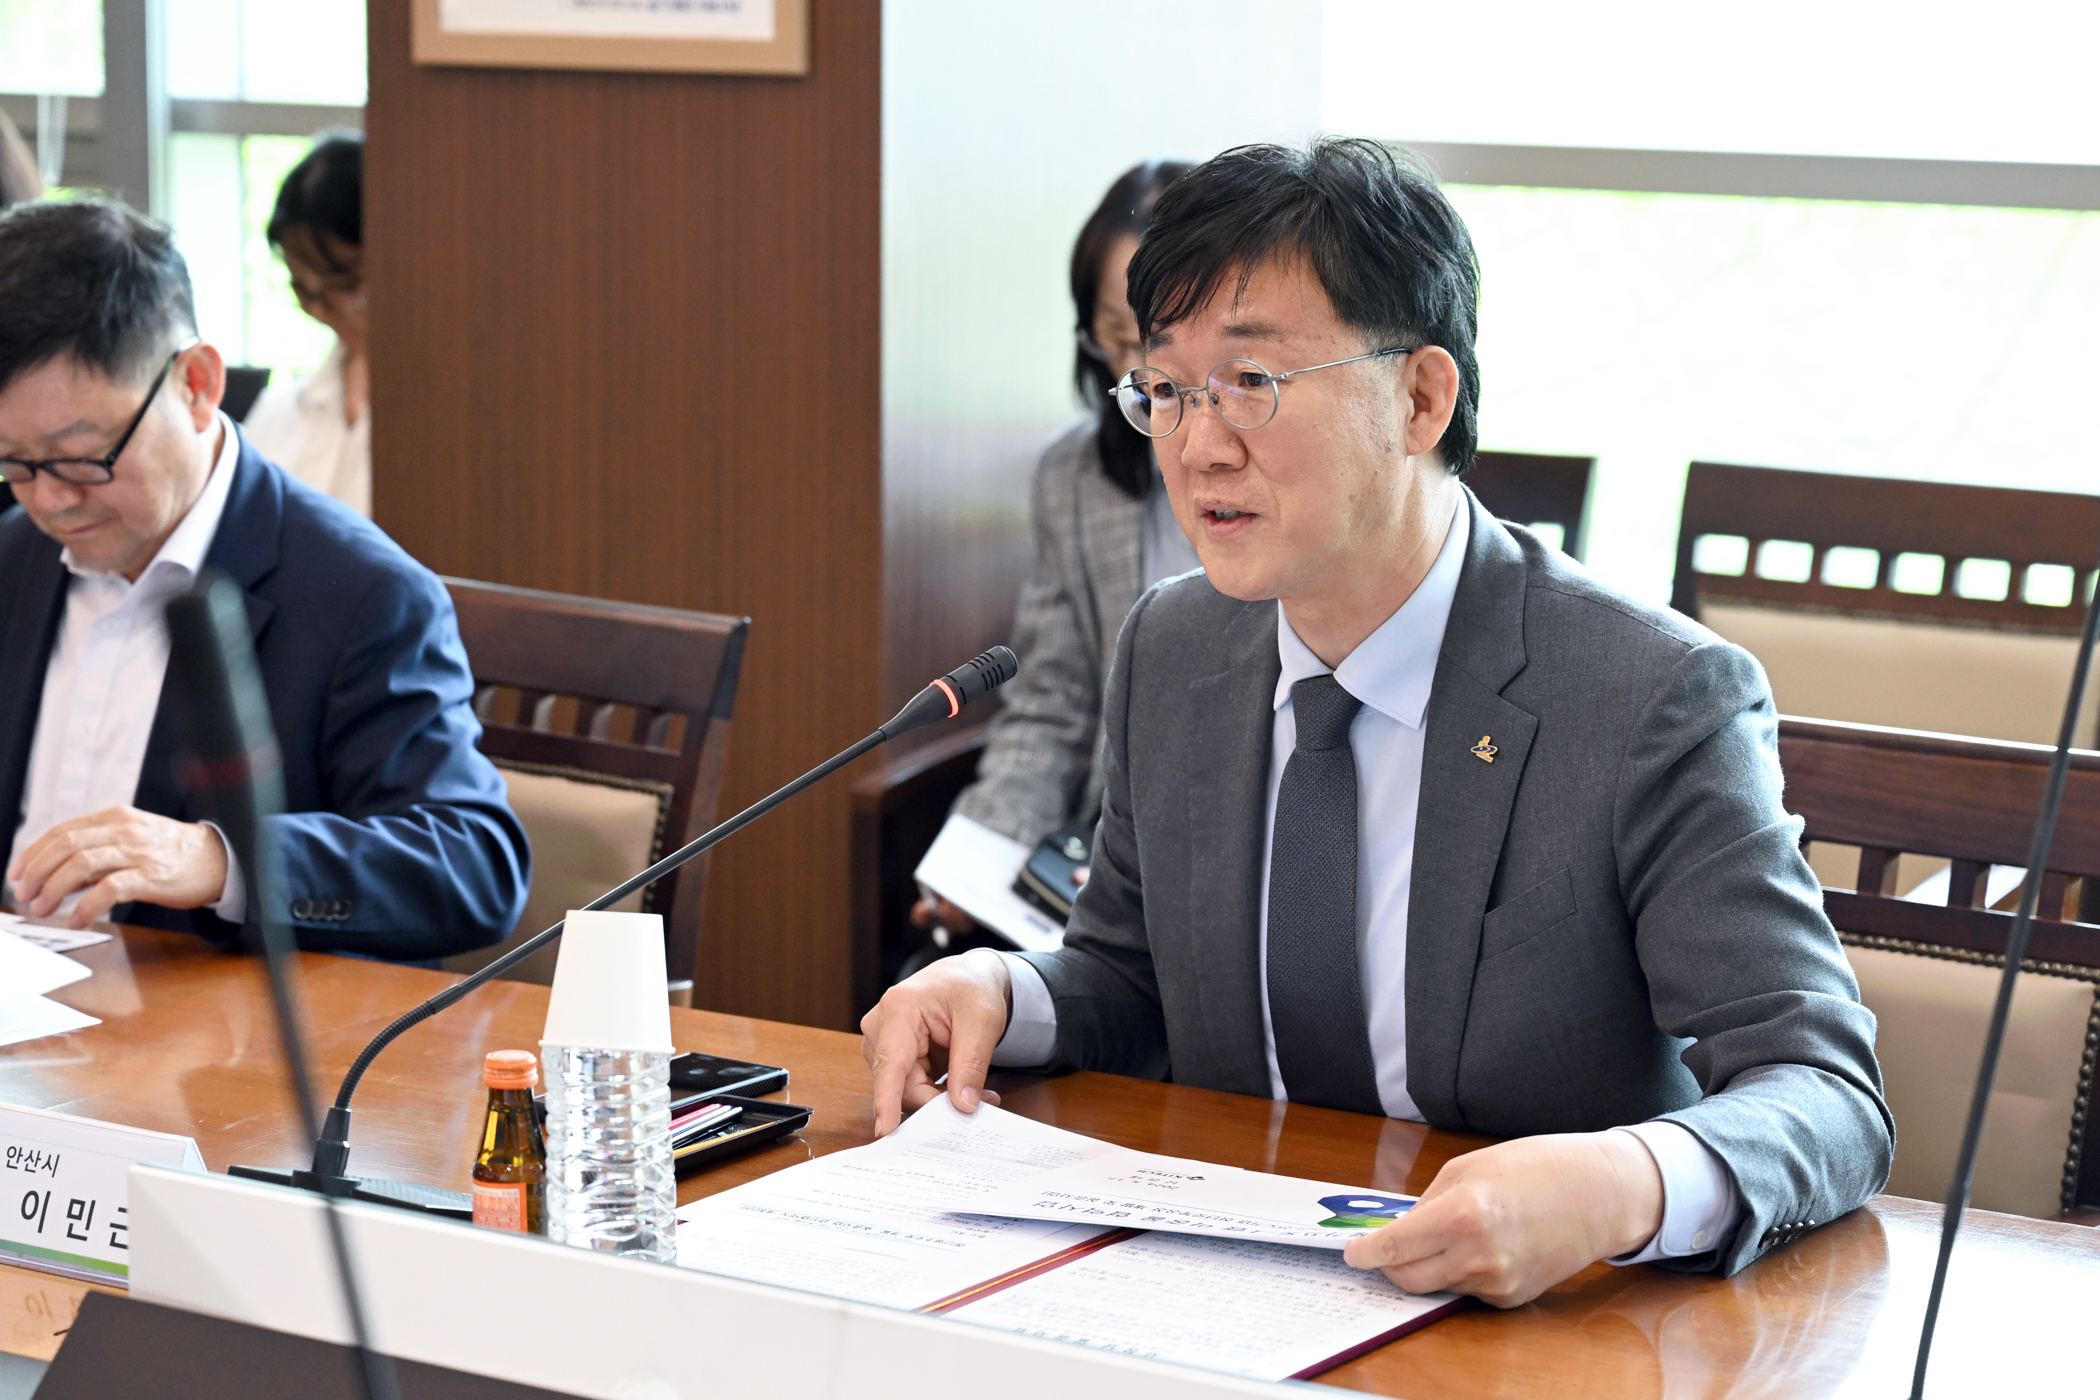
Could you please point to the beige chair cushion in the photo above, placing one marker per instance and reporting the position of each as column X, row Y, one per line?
column 1909, row 675
column 588, row 834
column 1934, row 1012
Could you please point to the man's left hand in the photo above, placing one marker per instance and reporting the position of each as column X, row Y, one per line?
column 1508, row 1222
column 117, row 855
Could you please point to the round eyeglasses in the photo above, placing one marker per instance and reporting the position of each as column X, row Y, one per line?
column 90, row 471
column 1240, row 392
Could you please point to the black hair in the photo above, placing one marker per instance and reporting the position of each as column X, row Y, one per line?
column 1126, row 454
column 1391, row 253
column 92, row 280
column 324, row 195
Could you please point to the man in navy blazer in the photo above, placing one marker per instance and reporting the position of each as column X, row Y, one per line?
column 397, row 839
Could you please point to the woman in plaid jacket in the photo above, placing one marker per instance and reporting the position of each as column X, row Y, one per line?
column 1103, row 534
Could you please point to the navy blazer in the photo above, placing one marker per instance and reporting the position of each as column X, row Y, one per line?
column 398, row 839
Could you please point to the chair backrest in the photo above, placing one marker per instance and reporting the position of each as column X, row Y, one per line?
column 1884, row 547
column 244, row 385
column 1851, row 591
column 611, row 723
column 1929, row 961
column 1533, row 490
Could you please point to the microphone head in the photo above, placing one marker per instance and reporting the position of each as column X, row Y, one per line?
column 945, row 696
column 981, row 675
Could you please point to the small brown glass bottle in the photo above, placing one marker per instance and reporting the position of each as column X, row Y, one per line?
column 510, row 1172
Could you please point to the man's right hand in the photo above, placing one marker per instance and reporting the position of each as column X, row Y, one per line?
column 949, row 1018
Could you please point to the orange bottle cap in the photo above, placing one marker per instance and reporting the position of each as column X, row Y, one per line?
column 510, row 1069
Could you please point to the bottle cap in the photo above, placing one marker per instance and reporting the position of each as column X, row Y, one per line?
column 510, row 1069
column 609, row 991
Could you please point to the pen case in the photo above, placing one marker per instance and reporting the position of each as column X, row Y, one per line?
column 761, row 1122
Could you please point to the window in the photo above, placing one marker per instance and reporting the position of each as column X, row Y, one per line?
column 1922, row 81
column 1945, row 342
column 250, row 81
column 223, row 184
column 267, row 50
column 1935, row 342
column 224, row 188
column 51, row 46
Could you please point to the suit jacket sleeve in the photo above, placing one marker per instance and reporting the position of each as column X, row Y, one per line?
column 1040, row 746
column 1102, row 981
column 1740, row 959
column 418, row 854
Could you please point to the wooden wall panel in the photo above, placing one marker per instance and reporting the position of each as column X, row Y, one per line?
column 626, row 338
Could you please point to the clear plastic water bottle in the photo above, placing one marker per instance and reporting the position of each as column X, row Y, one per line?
column 610, row 1184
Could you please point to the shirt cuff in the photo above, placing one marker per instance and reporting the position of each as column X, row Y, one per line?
column 232, row 904
column 1031, row 1031
column 1700, row 1204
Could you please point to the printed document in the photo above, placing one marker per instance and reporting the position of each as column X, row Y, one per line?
column 50, row 939
column 1137, row 1190
column 973, row 867
column 879, row 1224
column 1262, row 1310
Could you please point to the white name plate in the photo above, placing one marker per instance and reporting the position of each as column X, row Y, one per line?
column 63, row 1206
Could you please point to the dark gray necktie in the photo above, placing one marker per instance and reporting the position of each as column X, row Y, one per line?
column 1316, row 1001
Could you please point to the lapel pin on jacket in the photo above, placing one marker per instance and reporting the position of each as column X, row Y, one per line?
column 1484, row 751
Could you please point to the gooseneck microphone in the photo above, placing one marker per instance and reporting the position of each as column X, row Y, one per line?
column 234, row 774
column 943, row 698
column 2001, row 1013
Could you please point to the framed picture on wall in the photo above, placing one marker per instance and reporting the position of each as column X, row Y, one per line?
column 666, row 36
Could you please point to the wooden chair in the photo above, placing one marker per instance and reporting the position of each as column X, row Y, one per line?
column 897, row 811
column 1535, row 491
column 244, row 385
column 1930, row 971
column 610, row 722
column 1907, row 603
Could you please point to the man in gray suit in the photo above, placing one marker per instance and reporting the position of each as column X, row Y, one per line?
column 1447, row 830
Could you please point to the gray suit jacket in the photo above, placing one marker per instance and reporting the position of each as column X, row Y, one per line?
column 1610, row 922
column 1042, row 758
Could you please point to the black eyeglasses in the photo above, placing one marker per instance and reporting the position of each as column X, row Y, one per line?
column 90, row 471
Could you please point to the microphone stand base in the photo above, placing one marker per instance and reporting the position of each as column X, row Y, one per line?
column 404, row 1195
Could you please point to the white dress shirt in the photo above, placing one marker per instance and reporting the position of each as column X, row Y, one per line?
column 1391, row 672
column 102, row 684
column 300, row 427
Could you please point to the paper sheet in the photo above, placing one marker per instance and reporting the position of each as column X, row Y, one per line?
column 34, row 1017
column 1263, row 1310
column 873, row 1223
column 1142, row 1191
column 51, row 940
column 973, row 867
column 26, row 969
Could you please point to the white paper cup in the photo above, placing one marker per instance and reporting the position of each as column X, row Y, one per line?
column 609, row 989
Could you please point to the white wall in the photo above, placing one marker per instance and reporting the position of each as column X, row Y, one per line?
column 1002, row 127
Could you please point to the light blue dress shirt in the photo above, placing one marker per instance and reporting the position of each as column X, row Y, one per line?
column 1391, row 672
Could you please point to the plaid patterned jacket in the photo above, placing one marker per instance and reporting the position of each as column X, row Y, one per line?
column 1042, row 758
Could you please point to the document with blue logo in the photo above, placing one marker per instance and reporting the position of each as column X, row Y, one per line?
column 1140, row 1191
column 1102, row 1246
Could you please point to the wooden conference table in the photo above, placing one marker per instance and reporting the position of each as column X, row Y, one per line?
column 188, row 1046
